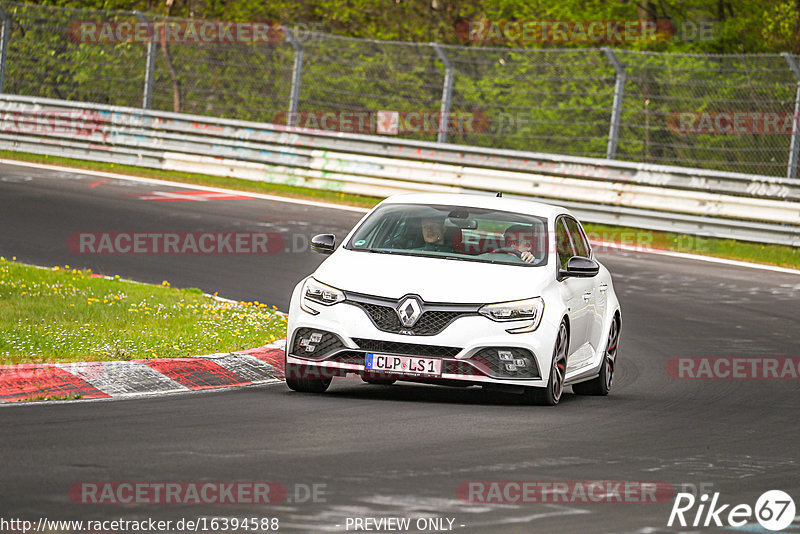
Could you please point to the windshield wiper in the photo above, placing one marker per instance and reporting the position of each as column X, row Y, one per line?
column 378, row 251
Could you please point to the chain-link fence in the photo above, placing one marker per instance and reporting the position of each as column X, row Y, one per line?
column 728, row 112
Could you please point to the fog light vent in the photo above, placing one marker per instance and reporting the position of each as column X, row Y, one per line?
column 317, row 343
column 508, row 362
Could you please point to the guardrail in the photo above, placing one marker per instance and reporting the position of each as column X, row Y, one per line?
column 692, row 201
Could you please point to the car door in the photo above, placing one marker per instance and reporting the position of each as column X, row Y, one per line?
column 597, row 300
column 577, row 294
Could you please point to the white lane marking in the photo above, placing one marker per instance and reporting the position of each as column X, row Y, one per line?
column 189, row 196
column 274, row 198
column 697, row 257
column 153, row 181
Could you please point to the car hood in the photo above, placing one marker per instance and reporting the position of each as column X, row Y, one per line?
column 433, row 279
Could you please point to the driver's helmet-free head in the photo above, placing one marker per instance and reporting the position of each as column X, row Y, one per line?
column 519, row 236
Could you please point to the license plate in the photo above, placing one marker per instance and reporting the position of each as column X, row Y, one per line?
column 407, row 365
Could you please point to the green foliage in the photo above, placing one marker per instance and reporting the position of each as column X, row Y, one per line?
column 530, row 95
column 756, row 26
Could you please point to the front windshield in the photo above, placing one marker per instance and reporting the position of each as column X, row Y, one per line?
column 454, row 232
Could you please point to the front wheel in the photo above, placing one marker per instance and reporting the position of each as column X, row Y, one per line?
column 551, row 394
column 601, row 384
column 305, row 379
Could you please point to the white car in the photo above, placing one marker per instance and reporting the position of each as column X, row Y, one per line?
column 456, row 289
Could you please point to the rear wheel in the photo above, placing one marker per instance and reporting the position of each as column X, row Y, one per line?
column 601, row 385
column 306, row 379
column 551, row 394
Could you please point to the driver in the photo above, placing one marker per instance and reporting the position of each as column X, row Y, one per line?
column 519, row 241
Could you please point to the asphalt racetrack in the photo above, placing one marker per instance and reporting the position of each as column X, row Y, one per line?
column 402, row 450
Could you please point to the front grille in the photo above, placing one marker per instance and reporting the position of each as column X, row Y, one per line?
column 411, row 349
column 304, row 339
column 522, row 363
column 430, row 323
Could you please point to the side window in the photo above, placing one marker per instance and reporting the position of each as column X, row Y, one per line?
column 578, row 239
column 563, row 244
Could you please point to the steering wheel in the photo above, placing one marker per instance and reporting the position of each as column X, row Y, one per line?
column 508, row 250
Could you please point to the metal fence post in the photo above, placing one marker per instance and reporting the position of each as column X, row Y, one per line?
column 150, row 68
column 447, row 92
column 297, row 77
column 616, row 110
column 794, row 148
column 5, row 35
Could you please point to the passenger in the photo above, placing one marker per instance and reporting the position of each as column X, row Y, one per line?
column 519, row 241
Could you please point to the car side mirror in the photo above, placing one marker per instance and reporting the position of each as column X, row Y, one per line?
column 323, row 243
column 580, row 267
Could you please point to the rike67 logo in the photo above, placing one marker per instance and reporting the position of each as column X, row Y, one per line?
column 774, row 510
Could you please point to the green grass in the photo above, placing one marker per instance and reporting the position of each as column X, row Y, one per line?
column 781, row 255
column 67, row 315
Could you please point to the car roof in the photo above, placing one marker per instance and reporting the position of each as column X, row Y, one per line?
column 516, row 205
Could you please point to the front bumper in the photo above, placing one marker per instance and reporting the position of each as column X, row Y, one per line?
column 469, row 347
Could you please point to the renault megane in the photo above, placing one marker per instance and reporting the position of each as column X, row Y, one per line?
column 458, row 290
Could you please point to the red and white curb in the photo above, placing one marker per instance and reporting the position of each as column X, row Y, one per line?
column 99, row 380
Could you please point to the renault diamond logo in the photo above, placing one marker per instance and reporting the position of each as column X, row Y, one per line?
column 409, row 311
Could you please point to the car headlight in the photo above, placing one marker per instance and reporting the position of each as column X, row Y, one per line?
column 319, row 293
column 517, row 310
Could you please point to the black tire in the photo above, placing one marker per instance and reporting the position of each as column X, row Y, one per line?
column 379, row 381
column 601, row 384
column 305, row 379
column 551, row 394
